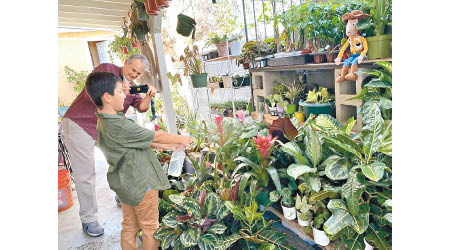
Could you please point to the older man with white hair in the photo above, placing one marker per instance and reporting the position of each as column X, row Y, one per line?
column 79, row 126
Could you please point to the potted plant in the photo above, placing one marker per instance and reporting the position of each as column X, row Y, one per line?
column 318, row 102
column 186, row 25
column 281, row 107
column 321, row 214
column 377, row 39
column 193, row 67
column 287, row 204
column 273, row 99
column 293, row 92
column 304, row 212
column 219, row 41
column 235, row 45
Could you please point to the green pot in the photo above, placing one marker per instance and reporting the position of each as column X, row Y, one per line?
column 379, row 46
column 317, row 108
column 291, row 108
column 186, row 25
column 141, row 13
column 199, row 81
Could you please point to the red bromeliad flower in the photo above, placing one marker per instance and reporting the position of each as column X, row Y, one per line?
column 263, row 144
column 219, row 124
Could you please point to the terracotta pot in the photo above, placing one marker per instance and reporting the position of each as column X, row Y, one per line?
column 246, row 65
column 134, row 44
column 125, row 50
column 222, row 49
column 151, row 8
column 162, row 3
column 306, row 51
column 319, row 58
column 331, row 56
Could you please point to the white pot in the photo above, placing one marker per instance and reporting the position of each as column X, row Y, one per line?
column 226, row 82
column 289, row 212
column 368, row 246
column 320, row 237
column 302, row 222
column 235, row 48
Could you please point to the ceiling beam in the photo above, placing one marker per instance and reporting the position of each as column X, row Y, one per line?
column 96, row 4
column 94, row 21
column 89, row 25
column 94, row 11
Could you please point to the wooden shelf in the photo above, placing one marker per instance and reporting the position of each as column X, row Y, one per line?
column 224, row 58
column 312, row 66
column 299, row 230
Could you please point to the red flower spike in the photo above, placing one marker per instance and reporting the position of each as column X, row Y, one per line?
column 263, row 144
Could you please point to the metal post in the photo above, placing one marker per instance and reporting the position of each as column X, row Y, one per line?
column 245, row 20
column 254, row 18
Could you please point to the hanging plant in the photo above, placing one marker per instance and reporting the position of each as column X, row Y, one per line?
column 122, row 47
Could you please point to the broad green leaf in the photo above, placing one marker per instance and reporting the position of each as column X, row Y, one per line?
column 360, row 96
column 352, row 191
column 296, row 170
column 313, row 147
column 388, row 217
column 247, row 161
column 294, row 150
column 272, row 237
column 313, row 183
column 193, row 206
column 324, row 194
column 388, row 203
column 218, row 228
column 336, row 168
column 267, row 247
column 235, row 210
column 190, row 237
column 386, row 145
column 372, row 131
column 275, row 178
column 251, row 213
column 377, row 237
column 177, row 199
column 274, row 196
column 243, row 184
column 349, row 124
column 375, row 83
column 342, row 218
column 170, row 220
column 327, row 122
column 374, row 171
column 211, row 204
column 208, row 242
column 344, row 144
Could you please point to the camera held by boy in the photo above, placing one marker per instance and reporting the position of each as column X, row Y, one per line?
column 134, row 173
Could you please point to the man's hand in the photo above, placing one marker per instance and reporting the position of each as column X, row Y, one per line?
column 337, row 60
column 360, row 58
column 125, row 88
column 151, row 91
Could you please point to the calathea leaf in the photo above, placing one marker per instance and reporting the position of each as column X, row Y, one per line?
column 313, row 182
column 374, row 171
column 212, row 202
column 177, row 199
column 193, row 206
column 336, row 167
column 208, row 242
column 272, row 237
column 222, row 211
column 352, row 191
column 190, row 237
column 313, row 147
column 296, row 170
column 227, row 241
column 342, row 218
column 218, row 228
column 169, row 239
column 170, row 220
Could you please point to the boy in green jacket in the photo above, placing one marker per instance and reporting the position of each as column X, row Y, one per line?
column 134, row 173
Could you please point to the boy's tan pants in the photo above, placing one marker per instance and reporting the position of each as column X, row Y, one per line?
column 145, row 217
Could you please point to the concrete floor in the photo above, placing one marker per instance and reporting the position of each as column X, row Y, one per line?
column 70, row 233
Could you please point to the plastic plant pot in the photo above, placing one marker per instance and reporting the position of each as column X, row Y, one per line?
column 368, row 246
column 320, row 237
column 302, row 222
column 289, row 212
column 199, row 81
column 291, row 108
column 186, row 25
column 379, row 46
column 317, row 108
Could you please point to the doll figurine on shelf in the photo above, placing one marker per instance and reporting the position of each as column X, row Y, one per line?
column 358, row 46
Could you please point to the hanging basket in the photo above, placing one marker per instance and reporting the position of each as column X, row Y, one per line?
column 162, row 3
column 199, row 81
column 151, row 8
column 141, row 12
column 186, row 25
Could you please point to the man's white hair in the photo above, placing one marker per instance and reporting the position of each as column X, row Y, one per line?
column 143, row 59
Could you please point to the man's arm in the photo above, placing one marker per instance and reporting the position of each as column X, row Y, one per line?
column 144, row 104
column 171, row 147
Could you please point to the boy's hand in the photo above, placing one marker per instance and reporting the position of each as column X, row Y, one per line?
column 186, row 140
